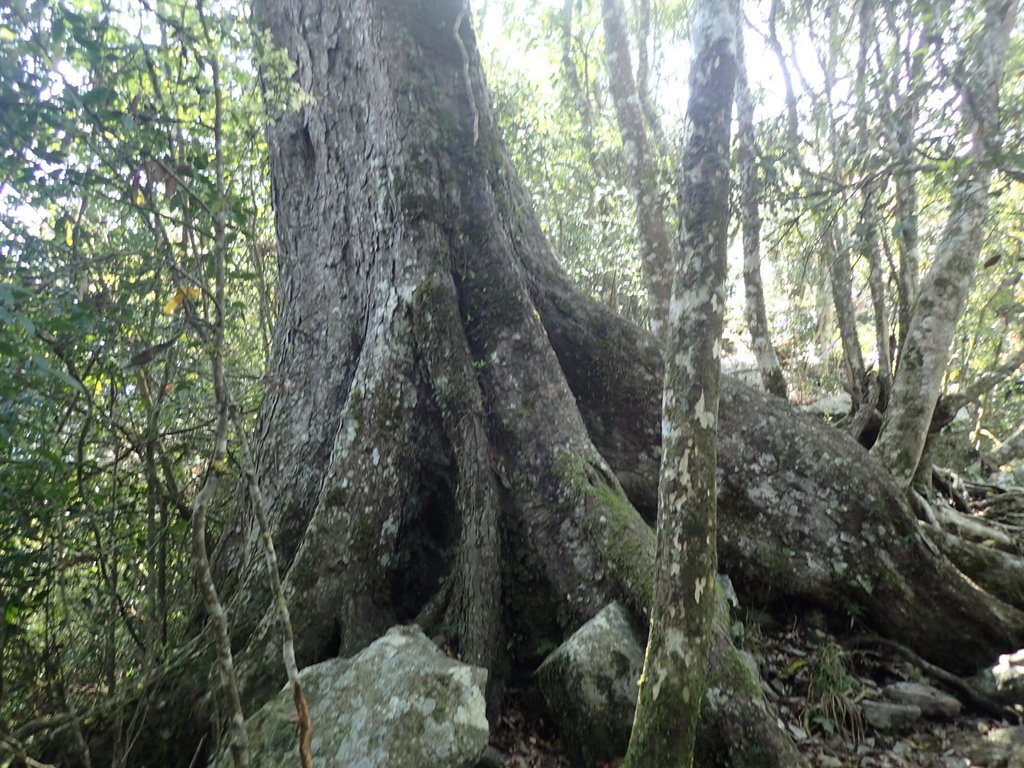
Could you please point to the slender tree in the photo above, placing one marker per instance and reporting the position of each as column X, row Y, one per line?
column 944, row 289
column 754, row 310
column 655, row 245
column 674, row 678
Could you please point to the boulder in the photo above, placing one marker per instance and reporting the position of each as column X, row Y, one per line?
column 932, row 702
column 999, row 748
column 1004, row 681
column 399, row 703
column 831, row 407
column 887, row 716
column 589, row 684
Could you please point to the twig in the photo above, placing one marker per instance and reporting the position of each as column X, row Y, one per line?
column 305, row 729
column 16, row 748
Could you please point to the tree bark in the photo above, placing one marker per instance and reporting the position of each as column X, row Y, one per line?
column 940, row 300
column 837, row 251
column 674, row 681
column 1011, row 449
column 876, row 281
column 867, row 229
column 656, row 249
column 754, row 307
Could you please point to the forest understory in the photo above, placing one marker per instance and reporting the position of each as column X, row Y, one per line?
column 827, row 724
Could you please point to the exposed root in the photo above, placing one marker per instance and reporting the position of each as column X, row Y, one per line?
column 475, row 600
column 998, row 572
column 968, row 692
column 973, row 529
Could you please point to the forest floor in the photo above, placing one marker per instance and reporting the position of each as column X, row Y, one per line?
column 816, row 686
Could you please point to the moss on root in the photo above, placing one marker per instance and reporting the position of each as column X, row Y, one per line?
column 618, row 533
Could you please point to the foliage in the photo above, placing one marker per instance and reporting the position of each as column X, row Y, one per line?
column 816, row 159
column 581, row 199
column 106, row 218
column 830, row 694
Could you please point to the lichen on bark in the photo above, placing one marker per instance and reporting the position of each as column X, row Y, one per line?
column 674, row 680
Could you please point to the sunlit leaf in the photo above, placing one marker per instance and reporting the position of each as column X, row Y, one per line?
column 179, row 296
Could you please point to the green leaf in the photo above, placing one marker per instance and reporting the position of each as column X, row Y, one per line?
column 795, row 667
column 25, row 323
column 98, row 96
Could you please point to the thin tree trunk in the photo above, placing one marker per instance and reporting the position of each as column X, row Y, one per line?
column 643, row 82
column 674, row 679
column 214, row 339
column 792, row 117
column 239, row 741
column 154, row 645
column 944, row 290
column 876, row 281
column 754, row 308
column 902, row 117
column 907, row 240
column 867, row 228
column 576, row 89
column 833, row 233
column 655, row 248
column 841, row 282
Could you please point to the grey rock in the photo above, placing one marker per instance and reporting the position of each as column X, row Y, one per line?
column 999, row 748
column 833, row 406
column 399, row 703
column 933, row 702
column 887, row 716
column 589, row 684
column 1004, row 681
column 491, row 758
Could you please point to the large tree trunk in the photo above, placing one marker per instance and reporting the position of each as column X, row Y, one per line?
column 419, row 444
column 453, row 432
